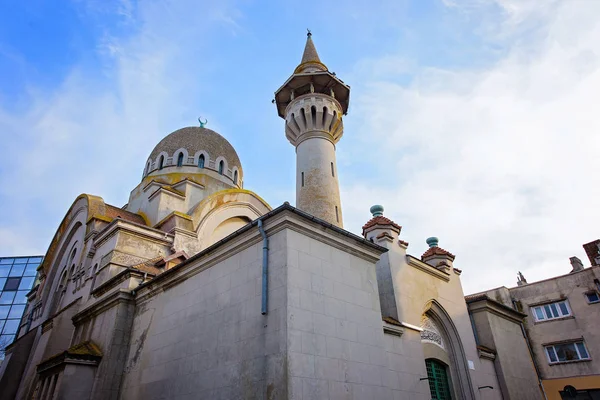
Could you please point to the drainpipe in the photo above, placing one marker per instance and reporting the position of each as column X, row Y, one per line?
column 265, row 267
column 535, row 366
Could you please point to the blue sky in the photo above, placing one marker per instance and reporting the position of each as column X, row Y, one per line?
column 472, row 120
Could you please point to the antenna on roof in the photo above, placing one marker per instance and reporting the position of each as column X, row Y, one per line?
column 202, row 124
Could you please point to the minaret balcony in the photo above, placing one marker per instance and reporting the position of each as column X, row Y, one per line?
column 313, row 115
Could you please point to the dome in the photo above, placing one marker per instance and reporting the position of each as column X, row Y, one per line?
column 194, row 141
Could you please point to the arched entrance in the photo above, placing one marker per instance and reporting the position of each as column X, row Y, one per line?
column 444, row 355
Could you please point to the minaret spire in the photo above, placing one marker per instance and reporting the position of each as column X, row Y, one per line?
column 312, row 102
column 310, row 58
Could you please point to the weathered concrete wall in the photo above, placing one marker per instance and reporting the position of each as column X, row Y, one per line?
column 205, row 337
column 336, row 347
column 582, row 324
column 406, row 366
column 75, row 382
column 516, row 373
column 14, row 364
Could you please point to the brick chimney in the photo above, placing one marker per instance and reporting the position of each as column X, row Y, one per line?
column 576, row 264
column 592, row 249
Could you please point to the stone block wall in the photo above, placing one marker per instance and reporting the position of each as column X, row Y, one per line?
column 205, row 337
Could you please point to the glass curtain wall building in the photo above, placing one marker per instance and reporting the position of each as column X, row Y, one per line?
column 17, row 278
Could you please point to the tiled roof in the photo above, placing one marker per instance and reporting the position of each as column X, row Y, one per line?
column 113, row 212
column 380, row 220
column 88, row 348
column 384, row 234
column 476, row 297
column 149, row 266
column 437, row 251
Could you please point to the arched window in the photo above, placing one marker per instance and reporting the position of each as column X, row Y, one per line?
column 201, row 161
column 63, row 281
column 147, row 169
column 180, row 160
column 438, row 379
column 235, row 177
column 221, row 166
column 161, row 162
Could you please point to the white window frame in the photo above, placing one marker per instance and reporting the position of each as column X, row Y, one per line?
column 588, row 299
column 574, row 343
column 543, row 310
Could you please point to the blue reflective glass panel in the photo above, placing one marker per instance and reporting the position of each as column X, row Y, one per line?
column 4, row 270
column 17, row 270
column 11, row 327
column 21, row 297
column 6, row 261
column 26, row 283
column 7, row 297
column 31, row 269
column 6, row 339
column 35, row 259
column 4, row 311
column 16, row 311
column 22, row 260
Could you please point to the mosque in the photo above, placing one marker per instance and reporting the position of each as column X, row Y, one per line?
column 198, row 289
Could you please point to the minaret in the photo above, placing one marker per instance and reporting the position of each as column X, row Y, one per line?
column 312, row 102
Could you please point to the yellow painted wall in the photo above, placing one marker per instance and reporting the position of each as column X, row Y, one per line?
column 554, row 386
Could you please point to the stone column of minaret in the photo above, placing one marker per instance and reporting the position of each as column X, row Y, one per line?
column 312, row 102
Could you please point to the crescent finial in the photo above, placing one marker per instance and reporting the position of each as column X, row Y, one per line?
column 202, row 124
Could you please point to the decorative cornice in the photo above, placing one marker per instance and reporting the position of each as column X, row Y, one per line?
column 114, row 281
column 86, row 353
column 166, row 190
column 486, row 353
column 144, row 232
column 482, row 303
column 119, row 296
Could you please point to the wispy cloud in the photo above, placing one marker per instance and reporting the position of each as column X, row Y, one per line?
column 93, row 131
column 499, row 162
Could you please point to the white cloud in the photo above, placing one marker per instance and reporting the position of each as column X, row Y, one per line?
column 500, row 163
column 98, row 125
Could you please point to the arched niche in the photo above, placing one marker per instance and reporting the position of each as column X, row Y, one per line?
column 227, row 227
column 224, row 212
column 449, row 350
